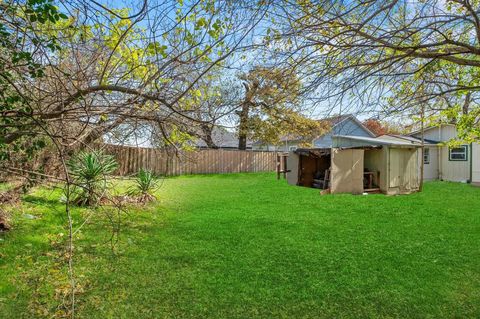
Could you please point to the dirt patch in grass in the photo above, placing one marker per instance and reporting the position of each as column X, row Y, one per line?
column 127, row 199
column 10, row 197
column 4, row 221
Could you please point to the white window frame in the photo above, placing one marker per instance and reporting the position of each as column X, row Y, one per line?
column 464, row 152
column 426, row 156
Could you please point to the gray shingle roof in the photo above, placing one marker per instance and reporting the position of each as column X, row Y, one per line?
column 222, row 138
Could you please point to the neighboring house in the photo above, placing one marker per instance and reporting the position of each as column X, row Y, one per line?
column 347, row 125
column 286, row 143
column 459, row 164
column 223, row 139
column 340, row 125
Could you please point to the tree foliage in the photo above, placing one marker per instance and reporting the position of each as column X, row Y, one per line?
column 271, row 107
column 20, row 44
column 378, row 127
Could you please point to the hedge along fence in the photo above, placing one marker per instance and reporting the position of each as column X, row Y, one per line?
column 209, row 161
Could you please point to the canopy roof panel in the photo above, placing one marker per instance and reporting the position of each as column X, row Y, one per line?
column 356, row 141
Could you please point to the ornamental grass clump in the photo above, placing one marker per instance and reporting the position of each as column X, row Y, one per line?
column 144, row 187
column 89, row 172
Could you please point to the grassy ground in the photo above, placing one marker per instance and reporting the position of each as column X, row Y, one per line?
column 248, row 246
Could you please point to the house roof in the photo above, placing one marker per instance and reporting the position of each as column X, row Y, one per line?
column 337, row 119
column 333, row 121
column 354, row 118
column 368, row 141
column 289, row 137
column 223, row 139
column 430, row 128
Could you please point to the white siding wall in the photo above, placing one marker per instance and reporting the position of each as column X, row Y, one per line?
column 440, row 133
column 475, row 163
column 455, row 171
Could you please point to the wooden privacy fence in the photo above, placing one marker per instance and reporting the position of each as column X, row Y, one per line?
column 132, row 159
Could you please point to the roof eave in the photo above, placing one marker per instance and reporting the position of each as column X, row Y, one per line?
column 377, row 141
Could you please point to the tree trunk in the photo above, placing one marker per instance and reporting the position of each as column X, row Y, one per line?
column 207, row 132
column 466, row 104
column 209, row 141
column 243, row 126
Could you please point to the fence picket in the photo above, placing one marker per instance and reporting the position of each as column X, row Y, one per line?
column 131, row 159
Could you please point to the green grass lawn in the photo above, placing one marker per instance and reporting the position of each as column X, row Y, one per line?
column 249, row 246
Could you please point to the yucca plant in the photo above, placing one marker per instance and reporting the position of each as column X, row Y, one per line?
column 145, row 185
column 89, row 171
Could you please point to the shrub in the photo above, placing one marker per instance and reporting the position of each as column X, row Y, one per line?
column 89, row 171
column 145, row 185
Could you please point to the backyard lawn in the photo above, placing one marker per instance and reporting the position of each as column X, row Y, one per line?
column 249, row 246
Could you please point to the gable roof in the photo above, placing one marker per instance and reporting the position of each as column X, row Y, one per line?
column 333, row 121
column 341, row 118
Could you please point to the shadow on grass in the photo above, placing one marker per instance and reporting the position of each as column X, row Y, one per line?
column 34, row 199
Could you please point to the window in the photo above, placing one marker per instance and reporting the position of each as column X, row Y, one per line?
column 458, row 153
column 426, row 156
column 292, row 148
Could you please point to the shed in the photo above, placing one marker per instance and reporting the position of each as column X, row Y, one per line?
column 359, row 164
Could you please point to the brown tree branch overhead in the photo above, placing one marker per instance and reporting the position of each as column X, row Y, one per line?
column 103, row 75
column 374, row 56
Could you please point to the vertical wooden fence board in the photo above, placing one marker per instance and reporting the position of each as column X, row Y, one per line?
column 132, row 159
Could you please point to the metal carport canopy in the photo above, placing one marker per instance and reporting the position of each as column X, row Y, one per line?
column 359, row 141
